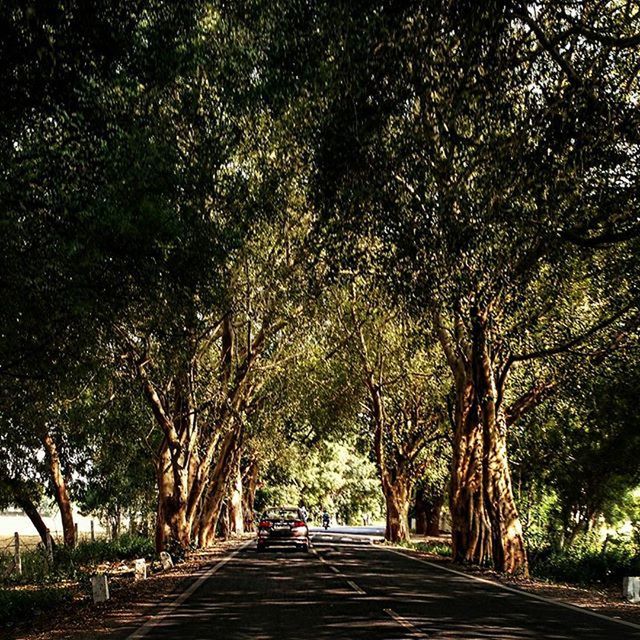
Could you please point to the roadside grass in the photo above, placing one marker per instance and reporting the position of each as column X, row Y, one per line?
column 72, row 564
column 43, row 585
column 584, row 566
column 18, row 604
column 434, row 547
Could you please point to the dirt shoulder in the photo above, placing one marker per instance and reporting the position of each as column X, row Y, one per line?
column 131, row 603
column 606, row 601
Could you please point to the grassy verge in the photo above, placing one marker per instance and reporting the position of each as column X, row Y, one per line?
column 17, row 605
column 430, row 546
column 584, row 566
column 44, row 585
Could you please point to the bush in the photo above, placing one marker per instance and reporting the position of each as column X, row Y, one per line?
column 126, row 547
column 583, row 564
column 68, row 563
column 18, row 604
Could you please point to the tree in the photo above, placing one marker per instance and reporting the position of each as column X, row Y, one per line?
column 457, row 184
column 406, row 406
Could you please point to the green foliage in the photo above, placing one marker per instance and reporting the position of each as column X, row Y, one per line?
column 78, row 563
column 588, row 562
column 24, row 604
column 330, row 475
column 430, row 546
column 125, row 547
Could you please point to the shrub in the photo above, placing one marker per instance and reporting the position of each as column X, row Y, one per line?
column 18, row 604
column 126, row 547
column 583, row 564
column 68, row 563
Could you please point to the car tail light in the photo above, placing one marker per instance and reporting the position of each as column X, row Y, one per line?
column 298, row 523
column 264, row 524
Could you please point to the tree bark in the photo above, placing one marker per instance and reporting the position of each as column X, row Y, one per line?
column 25, row 502
column 397, row 501
column 470, row 525
column 60, row 490
column 171, row 514
column 509, row 552
column 485, row 524
column 218, row 485
column 428, row 509
column 420, row 509
column 434, row 513
column 250, row 484
column 223, row 520
column 236, row 517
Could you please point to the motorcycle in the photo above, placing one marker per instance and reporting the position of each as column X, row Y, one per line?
column 325, row 521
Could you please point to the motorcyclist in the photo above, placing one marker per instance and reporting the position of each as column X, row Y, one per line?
column 326, row 519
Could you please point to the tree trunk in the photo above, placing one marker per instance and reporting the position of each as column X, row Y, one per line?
column 420, row 510
column 224, row 521
column 60, row 490
column 470, row 525
column 433, row 517
column 509, row 552
column 25, row 502
column 428, row 509
column 218, row 485
column 250, row 484
column 236, row 517
column 484, row 518
column 171, row 514
column 212, row 508
column 397, row 501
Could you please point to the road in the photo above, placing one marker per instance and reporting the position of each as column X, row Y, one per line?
column 348, row 588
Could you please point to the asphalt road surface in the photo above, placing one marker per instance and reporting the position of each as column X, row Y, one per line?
column 346, row 588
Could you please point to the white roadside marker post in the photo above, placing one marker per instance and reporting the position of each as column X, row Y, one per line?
column 631, row 588
column 100, row 588
column 166, row 561
column 140, row 570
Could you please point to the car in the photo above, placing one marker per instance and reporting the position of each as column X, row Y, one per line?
column 283, row 526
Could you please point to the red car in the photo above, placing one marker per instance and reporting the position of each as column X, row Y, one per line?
column 283, row 526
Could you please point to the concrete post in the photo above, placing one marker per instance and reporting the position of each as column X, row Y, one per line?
column 140, row 567
column 17, row 559
column 166, row 561
column 631, row 588
column 100, row 588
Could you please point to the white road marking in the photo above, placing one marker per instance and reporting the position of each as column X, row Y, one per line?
column 356, row 588
column 339, row 573
column 520, row 592
column 414, row 632
column 156, row 619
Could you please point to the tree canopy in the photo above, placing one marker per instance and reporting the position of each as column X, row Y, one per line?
column 366, row 255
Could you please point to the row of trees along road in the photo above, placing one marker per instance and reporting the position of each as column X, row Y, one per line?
column 229, row 226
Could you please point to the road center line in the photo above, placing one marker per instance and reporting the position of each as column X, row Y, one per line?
column 520, row 592
column 356, row 588
column 414, row 632
column 339, row 573
column 156, row 619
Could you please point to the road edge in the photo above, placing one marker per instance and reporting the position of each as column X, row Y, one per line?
column 504, row 587
column 156, row 618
